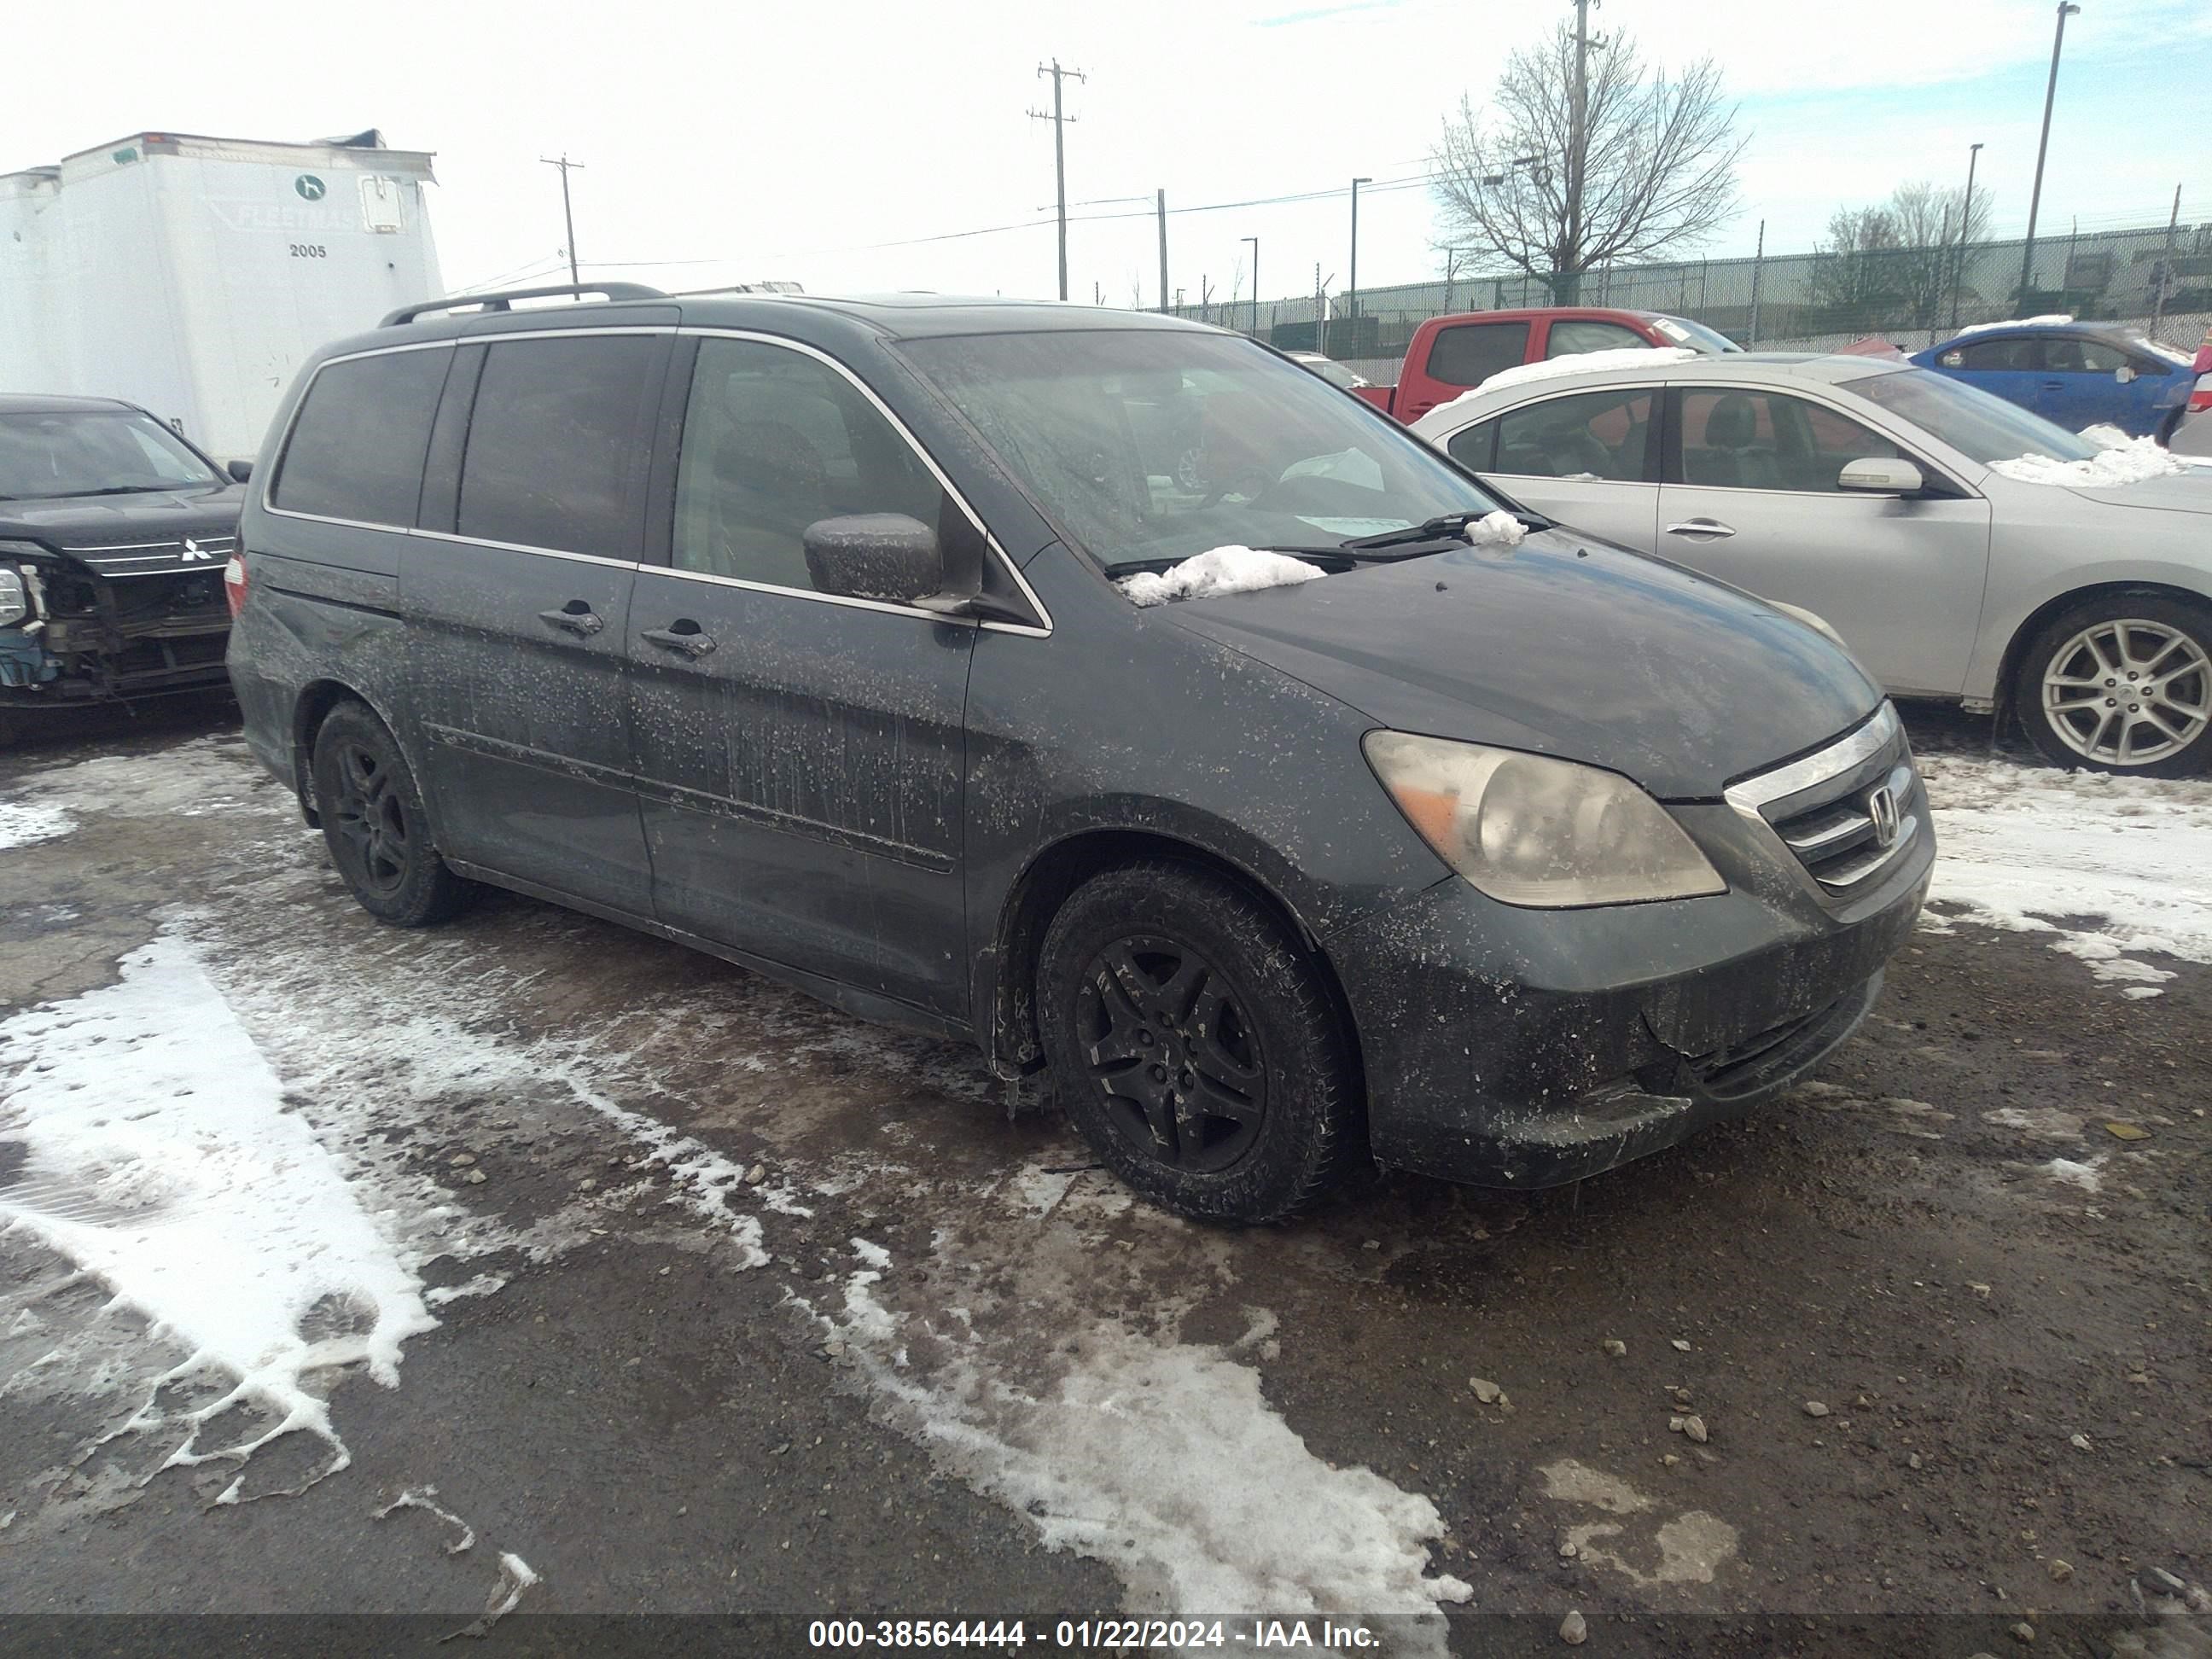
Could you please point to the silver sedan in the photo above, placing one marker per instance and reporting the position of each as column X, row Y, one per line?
column 1882, row 498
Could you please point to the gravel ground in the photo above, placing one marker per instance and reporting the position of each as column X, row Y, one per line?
column 763, row 1309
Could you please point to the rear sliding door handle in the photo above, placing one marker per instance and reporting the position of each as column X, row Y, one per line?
column 576, row 617
column 1710, row 527
column 683, row 636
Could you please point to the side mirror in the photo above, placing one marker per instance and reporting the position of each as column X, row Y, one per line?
column 1879, row 475
column 874, row 555
column 239, row 471
column 2124, row 374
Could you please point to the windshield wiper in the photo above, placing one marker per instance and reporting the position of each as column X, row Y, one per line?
column 122, row 489
column 1444, row 527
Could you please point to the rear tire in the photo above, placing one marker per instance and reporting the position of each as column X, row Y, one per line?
column 373, row 824
column 1195, row 1045
column 2122, row 683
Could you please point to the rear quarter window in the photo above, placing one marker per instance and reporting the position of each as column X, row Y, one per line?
column 357, row 445
column 1468, row 354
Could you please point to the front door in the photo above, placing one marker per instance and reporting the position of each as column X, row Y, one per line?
column 799, row 755
column 1749, row 494
column 2007, row 366
column 519, row 594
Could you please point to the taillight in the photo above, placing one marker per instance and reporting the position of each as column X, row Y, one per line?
column 2201, row 399
column 233, row 582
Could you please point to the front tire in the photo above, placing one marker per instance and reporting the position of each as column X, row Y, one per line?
column 1195, row 1045
column 2123, row 684
column 373, row 824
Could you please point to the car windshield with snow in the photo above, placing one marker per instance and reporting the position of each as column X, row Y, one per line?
column 2059, row 580
column 1098, row 688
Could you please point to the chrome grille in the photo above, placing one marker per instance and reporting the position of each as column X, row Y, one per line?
column 1845, row 813
column 158, row 558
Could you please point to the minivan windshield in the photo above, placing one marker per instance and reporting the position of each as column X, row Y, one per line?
column 94, row 452
column 1972, row 421
column 1146, row 445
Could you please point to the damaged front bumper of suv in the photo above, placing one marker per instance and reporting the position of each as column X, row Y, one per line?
column 1521, row 1048
column 81, row 626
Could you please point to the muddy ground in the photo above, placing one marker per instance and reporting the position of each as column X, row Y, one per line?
column 687, row 1396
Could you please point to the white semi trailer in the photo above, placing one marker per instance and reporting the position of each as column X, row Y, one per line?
column 192, row 276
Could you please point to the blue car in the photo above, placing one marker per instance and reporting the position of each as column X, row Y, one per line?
column 2078, row 375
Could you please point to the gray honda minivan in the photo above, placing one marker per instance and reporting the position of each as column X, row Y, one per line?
column 803, row 631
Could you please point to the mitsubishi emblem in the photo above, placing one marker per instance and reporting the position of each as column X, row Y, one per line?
column 194, row 551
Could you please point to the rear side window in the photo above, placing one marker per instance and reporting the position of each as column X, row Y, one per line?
column 1476, row 447
column 356, row 448
column 554, row 441
column 1470, row 352
column 1591, row 434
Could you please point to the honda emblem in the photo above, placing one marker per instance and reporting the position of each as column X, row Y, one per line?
column 1882, row 807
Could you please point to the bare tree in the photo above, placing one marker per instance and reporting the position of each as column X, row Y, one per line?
column 1934, row 233
column 1857, row 273
column 1892, row 265
column 1649, row 166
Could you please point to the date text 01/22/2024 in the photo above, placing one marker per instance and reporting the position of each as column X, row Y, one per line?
column 1089, row 1633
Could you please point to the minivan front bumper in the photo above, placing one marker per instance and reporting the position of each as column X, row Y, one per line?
column 1525, row 1049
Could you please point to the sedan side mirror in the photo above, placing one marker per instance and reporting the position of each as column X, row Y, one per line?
column 874, row 555
column 239, row 471
column 1881, row 474
column 2124, row 374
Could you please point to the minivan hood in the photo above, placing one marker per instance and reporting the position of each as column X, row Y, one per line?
column 1565, row 645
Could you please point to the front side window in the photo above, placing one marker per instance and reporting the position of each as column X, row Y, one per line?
column 121, row 452
column 775, row 441
column 1590, row 435
column 1572, row 337
column 356, row 448
column 1968, row 419
column 1468, row 354
column 1147, row 444
column 554, row 441
column 1769, row 440
column 2064, row 354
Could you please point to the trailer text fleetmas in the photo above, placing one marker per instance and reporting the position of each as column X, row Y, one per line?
column 193, row 276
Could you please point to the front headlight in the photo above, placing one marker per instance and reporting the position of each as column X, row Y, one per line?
column 1530, row 830
column 14, row 605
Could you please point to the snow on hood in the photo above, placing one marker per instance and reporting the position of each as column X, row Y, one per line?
column 1499, row 529
column 1219, row 570
column 2130, row 461
column 2046, row 320
column 1580, row 362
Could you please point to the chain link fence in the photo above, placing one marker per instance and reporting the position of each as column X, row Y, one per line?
column 2157, row 280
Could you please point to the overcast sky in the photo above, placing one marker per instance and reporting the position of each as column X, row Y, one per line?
column 800, row 139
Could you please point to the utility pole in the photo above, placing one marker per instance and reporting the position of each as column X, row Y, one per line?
column 2166, row 266
column 568, row 216
column 2035, row 195
column 1577, row 148
column 1060, row 120
column 1965, row 230
column 1255, row 285
column 1164, row 251
column 1351, row 299
column 1758, row 268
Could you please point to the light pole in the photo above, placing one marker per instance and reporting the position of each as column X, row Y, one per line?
column 1965, row 228
column 1255, row 285
column 1352, row 302
column 2035, row 195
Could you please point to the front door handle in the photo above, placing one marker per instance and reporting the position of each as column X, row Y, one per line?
column 683, row 636
column 1712, row 528
column 576, row 617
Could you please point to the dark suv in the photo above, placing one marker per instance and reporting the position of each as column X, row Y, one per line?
column 802, row 630
column 113, row 534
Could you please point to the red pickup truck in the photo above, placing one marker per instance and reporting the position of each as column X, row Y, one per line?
column 1447, row 354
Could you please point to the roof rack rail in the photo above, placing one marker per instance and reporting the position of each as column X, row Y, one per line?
column 504, row 300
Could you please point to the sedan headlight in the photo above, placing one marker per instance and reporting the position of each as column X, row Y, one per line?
column 14, row 605
column 1530, row 830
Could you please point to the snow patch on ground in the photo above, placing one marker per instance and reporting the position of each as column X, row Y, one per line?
column 2032, row 849
column 2129, row 462
column 161, row 1157
column 1692, row 1546
column 22, row 824
column 2087, row 1176
column 1219, row 570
